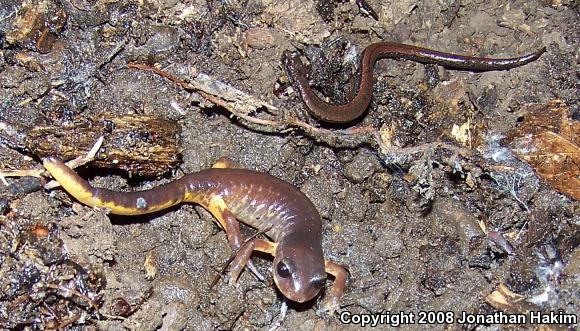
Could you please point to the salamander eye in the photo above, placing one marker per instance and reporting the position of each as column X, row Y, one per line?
column 318, row 283
column 284, row 268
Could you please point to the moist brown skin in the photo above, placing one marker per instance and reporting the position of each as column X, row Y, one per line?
column 265, row 202
column 344, row 113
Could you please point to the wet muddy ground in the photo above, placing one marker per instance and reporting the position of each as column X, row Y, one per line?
column 421, row 226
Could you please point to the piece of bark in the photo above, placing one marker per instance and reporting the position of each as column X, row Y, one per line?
column 139, row 144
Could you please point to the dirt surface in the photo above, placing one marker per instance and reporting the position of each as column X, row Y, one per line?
column 408, row 223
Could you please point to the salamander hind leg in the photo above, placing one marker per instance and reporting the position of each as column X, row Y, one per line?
column 218, row 208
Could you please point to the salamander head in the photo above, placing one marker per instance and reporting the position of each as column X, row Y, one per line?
column 299, row 269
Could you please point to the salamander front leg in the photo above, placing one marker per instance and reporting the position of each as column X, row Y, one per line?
column 244, row 253
column 218, row 208
column 333, row 297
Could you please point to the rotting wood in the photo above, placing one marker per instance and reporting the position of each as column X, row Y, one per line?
column 139, row 144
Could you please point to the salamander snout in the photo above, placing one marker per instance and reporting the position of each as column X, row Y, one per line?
column 299, row 271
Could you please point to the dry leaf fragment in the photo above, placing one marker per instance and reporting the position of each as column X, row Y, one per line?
column 549, row 140
column 150, row 267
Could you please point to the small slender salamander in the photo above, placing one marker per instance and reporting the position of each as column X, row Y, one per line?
column 344, row 113
column 260, row 200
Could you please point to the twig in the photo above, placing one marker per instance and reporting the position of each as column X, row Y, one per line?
column 341, row 138
column 351, row 137
column 79, row 161
column 85, row 298
column 76, row 293
column 75, row 163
